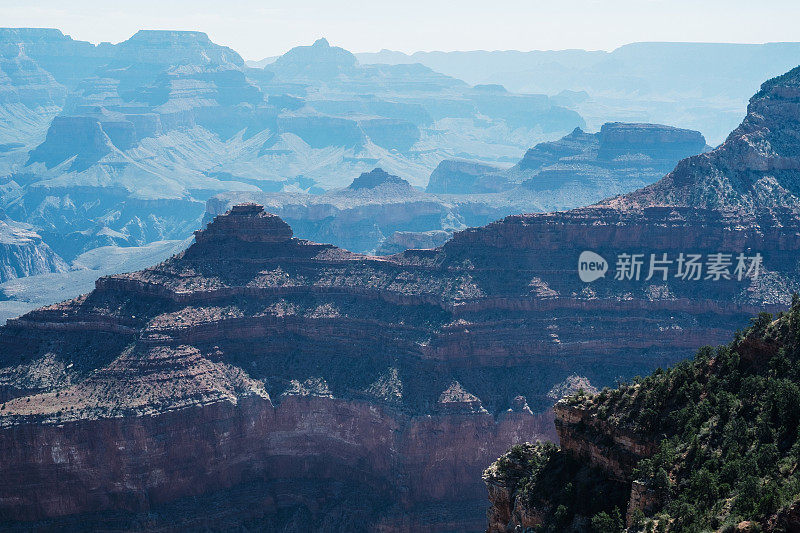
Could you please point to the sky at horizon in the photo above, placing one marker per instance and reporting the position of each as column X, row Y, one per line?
column 258, row 29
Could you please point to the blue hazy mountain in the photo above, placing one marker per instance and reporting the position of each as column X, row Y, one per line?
column 122, row 144
column 381, row 213
column 702, row 86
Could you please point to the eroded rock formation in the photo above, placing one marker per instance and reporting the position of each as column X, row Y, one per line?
column 749, row 185
column 258, row 359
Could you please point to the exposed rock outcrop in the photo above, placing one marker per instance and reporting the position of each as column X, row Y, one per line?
column 658, row 142
column 400, row 241
column 22, row 252
column 79, row 139
column 432, row 334
column 23, row 81
column 619, row 152
column 245, row 222
column 391, row 133
column 377, row 178
column 466, row 177
column 402, row 427
column 619, row 158
column 668, row 452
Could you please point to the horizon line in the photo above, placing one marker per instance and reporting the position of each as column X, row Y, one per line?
column 406, row 53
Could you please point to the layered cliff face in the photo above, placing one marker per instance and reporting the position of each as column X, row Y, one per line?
column 23, row 81
column 303, row 367
column 700, row 446
column 67, row 59
column 656, row 141
column 619, row 158
column 255, row 359
column 753, row 171
column 175, row 47
column 466, row 177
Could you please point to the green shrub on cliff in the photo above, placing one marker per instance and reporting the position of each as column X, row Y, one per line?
column 557, row 487
column 603, row 522
column 727, row 426
column 727, row 431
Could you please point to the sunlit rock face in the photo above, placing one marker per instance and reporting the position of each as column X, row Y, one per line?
column 23, row 253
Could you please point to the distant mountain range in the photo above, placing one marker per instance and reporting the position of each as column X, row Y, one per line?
column 381, row 213
column 122, row 144
column 701, row 86
column 131, row 144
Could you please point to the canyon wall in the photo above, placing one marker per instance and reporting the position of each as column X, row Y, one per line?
column 283, row 370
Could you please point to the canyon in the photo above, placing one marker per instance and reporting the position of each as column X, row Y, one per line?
column 633, row 443
column 256, row 377
column 122, row 144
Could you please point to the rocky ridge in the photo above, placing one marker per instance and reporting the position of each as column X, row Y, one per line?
column 619, row 158
column 23, row 253
column 679, row 450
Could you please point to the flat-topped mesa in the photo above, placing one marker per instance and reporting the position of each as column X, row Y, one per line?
column 247, row 223
column 655, row 140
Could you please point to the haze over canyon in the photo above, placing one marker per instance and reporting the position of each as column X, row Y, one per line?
column 326, row 291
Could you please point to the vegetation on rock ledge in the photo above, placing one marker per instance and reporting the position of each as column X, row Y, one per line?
column 727, row 424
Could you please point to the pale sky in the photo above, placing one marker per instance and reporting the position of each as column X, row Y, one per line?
column 257, row 29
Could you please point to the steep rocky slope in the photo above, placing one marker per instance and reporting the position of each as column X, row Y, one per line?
column 455, row 176
column 326, row 398
column 22, row 252
column 710, row 444
column 647, row 447
column 255, row 362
